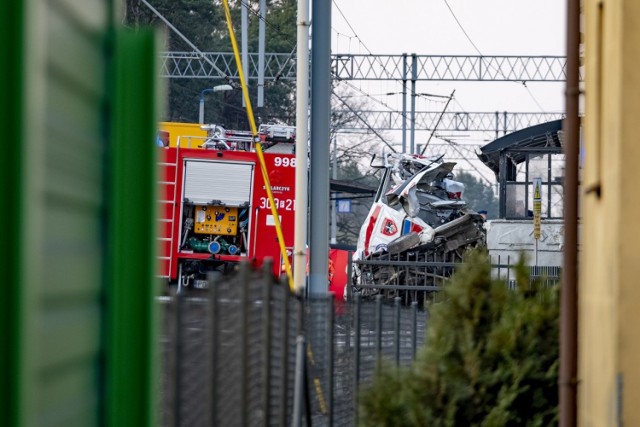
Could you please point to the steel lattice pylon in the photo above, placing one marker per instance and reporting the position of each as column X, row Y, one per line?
column 403, row 68
column 191, row 65
column 375, row 67
column 451, row 121
column 450, row 68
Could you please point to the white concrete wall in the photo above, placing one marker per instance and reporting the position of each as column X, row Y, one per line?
column 509, row 238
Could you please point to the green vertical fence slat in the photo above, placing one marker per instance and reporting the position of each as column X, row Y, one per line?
column 11, row 123
column 129, row 362
column 131, row 323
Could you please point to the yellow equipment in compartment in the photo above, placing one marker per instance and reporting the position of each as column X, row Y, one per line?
column 220, row 220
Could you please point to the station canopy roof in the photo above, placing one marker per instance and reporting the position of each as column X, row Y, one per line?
column 544, row 135
column 340, row 186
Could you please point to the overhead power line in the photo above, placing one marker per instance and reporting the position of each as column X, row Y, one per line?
column 524, row 82
column 444, row 110
column 455, row 147
column 462, row 28
column 355, row 113
column 221, row 73
column 352, row 29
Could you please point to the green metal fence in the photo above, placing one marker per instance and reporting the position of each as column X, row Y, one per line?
column 76, row 312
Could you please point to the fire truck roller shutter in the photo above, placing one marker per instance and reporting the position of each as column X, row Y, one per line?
column 225, row 183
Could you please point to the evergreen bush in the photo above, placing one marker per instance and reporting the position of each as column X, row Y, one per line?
column 491, row 358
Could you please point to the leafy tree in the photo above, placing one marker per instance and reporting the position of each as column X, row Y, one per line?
column 203, row 23
column 491, row 358
column 478, row 195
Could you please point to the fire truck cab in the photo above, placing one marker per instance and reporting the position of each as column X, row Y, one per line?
column 214, row 208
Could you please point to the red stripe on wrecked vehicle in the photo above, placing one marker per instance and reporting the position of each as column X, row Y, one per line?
column 372, row 222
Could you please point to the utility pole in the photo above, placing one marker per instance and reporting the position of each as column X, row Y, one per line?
column 261, row 49
column 320, row 123
column 244, row 23
column 302, row 137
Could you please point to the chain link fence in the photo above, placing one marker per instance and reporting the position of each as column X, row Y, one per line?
column 247, row 352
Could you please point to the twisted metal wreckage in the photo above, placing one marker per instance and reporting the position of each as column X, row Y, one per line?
column 418, row 223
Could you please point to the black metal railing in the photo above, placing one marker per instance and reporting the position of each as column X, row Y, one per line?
column 416, row 277
column 249, row 352
column 229, row 353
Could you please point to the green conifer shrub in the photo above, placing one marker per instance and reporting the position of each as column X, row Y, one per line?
column 491, row 358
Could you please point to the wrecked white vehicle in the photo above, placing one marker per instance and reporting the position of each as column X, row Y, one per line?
column 418, row 219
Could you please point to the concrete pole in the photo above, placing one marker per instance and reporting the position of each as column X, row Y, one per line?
column 244, row 21
column 320, row 122
column 302, row 135
column 261, row 48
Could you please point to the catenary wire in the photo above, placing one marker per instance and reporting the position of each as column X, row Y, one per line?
column 524, row 83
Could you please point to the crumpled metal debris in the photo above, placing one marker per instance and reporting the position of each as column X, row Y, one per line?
column 418, row 215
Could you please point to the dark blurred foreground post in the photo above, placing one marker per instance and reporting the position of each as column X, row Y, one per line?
column 568, row 382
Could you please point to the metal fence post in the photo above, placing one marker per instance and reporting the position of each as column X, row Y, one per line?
column 396, row 329
column 349, row 273
column 284, row 362
column 305, row 395
column 266, row 339
column 169, row 362
column 330, row 352
column 414, row 329
column 378, row 332
column 299, row 382
column 356, row 357
column 179, row 298
column 213, row 362
column 244, row 327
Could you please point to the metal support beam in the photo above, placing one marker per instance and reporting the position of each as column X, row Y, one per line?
column 261, row 51
column 334, row 202
column 244, row 23
column 320, row 124
column 404, row 103
column 453, row 67
column 414, row 77
column 374, row 67
column 452, row 121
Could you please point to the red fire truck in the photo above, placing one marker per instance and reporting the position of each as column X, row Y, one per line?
column 214, row 209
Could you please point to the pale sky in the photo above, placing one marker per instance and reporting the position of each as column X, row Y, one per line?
column 496, row 27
